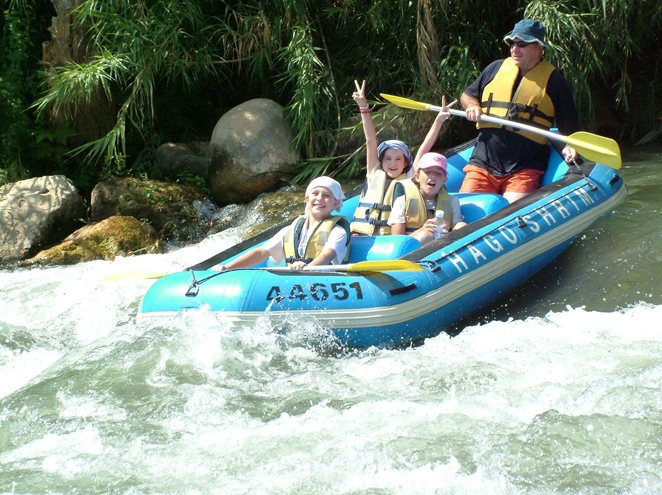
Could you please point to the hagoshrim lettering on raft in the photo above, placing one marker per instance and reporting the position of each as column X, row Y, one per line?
column 505, row 238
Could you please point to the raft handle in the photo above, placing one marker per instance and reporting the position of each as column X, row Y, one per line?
column 401, row 290
column 592, row 187
column 194, row 288
column 433, row 266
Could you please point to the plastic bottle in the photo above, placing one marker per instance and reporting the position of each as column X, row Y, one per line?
column 439, row 218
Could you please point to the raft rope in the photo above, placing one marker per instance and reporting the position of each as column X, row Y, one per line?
column 434, row 266
column 578, row 170
column 194, row 288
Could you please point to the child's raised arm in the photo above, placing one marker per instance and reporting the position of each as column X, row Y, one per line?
column 372, row 159
column 433, row 133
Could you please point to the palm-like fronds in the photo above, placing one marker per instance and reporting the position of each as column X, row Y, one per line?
column 135, row 49
column 599, row 43
column 78, row 83
column 146, row 56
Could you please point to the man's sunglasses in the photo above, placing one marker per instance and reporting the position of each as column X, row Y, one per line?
column 519, row 44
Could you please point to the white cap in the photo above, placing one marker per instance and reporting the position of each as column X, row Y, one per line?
column 328, row 183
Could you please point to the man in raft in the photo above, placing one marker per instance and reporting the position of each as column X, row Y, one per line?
column 525, row 88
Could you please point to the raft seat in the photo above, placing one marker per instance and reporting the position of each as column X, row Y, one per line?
column 475, row 206
column 379, row 248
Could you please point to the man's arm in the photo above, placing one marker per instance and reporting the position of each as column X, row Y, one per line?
column 470, row 99
column 565, row 112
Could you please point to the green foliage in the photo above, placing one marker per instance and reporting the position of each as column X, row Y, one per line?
column 135, row 51
column 193, row 180
column 14, row 131
column 14, row 123
column 313, row 89
column 167, row 70
column 600, row 48
column 25, row 140
column 51, row 143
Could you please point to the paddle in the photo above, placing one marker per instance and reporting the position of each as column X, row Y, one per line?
column 363, row 267
column 135, row 275
column 359, row 267
column 596, row 148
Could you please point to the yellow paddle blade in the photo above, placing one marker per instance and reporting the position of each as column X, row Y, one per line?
column 599, row 149
column 385, row 266
column 405, row 102
column 135, row 275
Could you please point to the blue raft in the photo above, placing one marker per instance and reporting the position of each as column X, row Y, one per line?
column 503, row 245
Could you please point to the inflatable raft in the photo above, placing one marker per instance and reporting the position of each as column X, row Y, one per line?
column 375, row 301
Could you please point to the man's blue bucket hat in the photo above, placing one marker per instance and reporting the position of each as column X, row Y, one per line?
column 528, row 30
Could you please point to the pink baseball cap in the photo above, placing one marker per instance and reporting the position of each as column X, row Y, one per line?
column 433, row 160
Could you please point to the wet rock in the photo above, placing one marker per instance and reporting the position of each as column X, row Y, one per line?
column 36, row 212
column 168, row 207
column 179, row 160
column 267, row 210
column 112, row 237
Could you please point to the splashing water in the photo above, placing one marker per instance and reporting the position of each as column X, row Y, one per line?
column 555, row 389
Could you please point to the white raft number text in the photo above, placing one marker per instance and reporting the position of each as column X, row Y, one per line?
column 318, row 291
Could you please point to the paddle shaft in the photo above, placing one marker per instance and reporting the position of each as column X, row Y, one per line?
column 313, row 268
column 597, row 148
column 599, row 151
column 509, row 123
column 397, row 265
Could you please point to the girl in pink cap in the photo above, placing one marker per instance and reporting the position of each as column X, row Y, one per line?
column 419, row 198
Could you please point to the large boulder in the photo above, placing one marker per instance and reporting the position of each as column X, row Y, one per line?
column 250, row 152
column 112, row 237
column 36, row 212
column 262, row 213
column 168, row 207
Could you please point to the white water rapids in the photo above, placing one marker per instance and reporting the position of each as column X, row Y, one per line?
column 554, row 390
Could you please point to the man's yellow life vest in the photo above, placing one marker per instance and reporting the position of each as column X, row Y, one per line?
column 529, row 104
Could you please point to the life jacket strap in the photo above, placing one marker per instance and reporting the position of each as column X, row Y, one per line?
column 376, row 206
column 371, row 221
column 291, row 259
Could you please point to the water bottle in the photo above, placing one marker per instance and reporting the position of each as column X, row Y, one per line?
column 439, row 218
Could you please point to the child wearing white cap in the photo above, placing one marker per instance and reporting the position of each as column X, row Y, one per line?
column 316, row 238
column 417, row 199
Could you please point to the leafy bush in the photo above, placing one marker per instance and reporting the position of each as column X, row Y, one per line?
column 169, row 68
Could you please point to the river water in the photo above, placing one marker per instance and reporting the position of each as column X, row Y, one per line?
column 554, row 389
